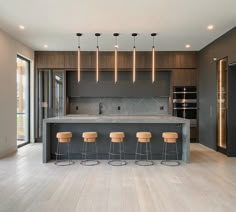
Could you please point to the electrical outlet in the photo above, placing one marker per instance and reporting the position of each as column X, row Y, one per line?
column 118, row 108
column 76, row 107
column 162, row 108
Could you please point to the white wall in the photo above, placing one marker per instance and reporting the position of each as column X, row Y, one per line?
column 9, row 48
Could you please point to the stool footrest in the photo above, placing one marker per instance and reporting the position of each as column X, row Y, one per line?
column 144, row 162
column 64, row 162
column 87, row 162
column 121, row 162
column 170, row 162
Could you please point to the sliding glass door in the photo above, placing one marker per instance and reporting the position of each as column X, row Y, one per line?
column 51, row 97
column 22, row 95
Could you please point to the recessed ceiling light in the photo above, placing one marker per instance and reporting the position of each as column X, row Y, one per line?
column 21, row 27
column 210, row 27
column 45, row 46
column 187, row 46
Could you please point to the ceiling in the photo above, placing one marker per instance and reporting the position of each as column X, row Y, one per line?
column 178, row 22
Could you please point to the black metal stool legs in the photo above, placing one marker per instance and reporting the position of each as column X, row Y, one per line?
column 88, row 161
column 146, row 153
column 168, row 162
column 63, row 161
column 119, row 153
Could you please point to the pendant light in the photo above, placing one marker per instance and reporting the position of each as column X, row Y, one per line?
column 116, row 52
column 134, row 58
column 79, row 71
column 153, row 57
column 97, row 58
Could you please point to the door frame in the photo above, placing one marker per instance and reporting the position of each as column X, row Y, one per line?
column 28, row 102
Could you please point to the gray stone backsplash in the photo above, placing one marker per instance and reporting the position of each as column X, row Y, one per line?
column 119, row 106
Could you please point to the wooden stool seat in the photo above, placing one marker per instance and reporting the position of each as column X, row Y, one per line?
column 117, row 136
column 89, row 136
column 170, row 137
column 64, row 137
column 116, row 141
column 89, row 140
column 143, row 136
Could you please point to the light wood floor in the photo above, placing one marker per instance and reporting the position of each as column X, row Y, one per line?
column 207, row 184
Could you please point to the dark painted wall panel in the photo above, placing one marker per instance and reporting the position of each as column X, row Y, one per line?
column 224, row 46
column 106, row 87
column 231, row 117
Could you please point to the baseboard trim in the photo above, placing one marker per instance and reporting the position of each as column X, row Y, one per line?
column 8, row 153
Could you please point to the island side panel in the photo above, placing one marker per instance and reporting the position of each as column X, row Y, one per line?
column 186, row 142
column 46, row 141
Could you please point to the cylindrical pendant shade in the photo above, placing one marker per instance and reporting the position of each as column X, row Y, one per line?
column 79, row 64
column 79, row 52
column 97, row 64
column 153, row 64
column 116, row 54
column 134, row 64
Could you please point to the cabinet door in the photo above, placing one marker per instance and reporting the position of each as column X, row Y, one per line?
column 184, row 77
column 71, row 60
column 50, row 60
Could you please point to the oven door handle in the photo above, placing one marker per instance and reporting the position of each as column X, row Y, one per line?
column 185, row 108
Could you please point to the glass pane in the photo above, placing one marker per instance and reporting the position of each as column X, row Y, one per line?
column 58, row 93
column 222, row 103
column 22, row 100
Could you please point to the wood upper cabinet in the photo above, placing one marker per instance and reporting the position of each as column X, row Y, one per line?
column 125, row 60
column 180, row 60
column 69, row 60
column 87, row 60
column 50, row 59
column 184, row 77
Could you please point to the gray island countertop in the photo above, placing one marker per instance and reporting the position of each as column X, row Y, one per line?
column 117, row 119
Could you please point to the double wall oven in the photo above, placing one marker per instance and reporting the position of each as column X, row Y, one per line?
column 185, row 103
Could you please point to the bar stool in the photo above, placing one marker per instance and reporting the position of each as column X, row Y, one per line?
column 63, row 138
column 143, row 138
column 116, row 139
column 170, row 138
column 89, row 138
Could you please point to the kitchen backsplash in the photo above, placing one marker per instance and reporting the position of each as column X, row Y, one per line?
column 119, row 106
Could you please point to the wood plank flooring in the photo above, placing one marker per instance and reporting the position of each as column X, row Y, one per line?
column 208, row 183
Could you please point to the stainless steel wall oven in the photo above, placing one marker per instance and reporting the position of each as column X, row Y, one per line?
column 185, row 103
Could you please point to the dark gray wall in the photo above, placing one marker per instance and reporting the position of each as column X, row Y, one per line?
column 225, row 46
column 231, row 116
column 106, row 87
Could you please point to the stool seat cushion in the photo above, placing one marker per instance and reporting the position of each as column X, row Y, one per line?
column 90, row 135
column 144, row 135
column 118, row 135
column 64, row 135
column 170, row 140
column 89, row 139
column 170, row 135
column 143, row 140
column 117, row 140
column 64, row 140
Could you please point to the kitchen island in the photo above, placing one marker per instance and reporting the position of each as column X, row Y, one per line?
column 104, row 124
